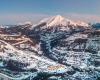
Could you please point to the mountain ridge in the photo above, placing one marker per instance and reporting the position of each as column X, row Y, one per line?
column 61, row 22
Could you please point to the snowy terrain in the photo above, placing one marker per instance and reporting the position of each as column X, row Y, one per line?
column 54, row 49
column 61, row 23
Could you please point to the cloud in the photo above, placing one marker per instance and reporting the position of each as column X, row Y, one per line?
column 35, row 18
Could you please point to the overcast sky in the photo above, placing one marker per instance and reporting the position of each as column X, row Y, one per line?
column 16, row 11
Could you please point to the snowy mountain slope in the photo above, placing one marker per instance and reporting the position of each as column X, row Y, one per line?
column 33, row 61
column 56, row 51
column 21, row 53
column 61, row 22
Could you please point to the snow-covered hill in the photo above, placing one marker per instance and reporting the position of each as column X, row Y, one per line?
column 27, row 60
column 54, row 45
column 62, row 23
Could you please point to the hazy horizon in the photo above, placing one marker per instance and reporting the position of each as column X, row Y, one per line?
column 16, row 11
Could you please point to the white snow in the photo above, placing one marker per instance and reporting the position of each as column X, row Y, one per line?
column 76, row 36
column 58, row 20
column 28, row 57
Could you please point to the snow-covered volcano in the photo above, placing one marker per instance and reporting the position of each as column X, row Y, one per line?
column 62, row 22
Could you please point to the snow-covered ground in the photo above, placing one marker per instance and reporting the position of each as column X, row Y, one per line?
column 72, row 60
column 34, row 61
